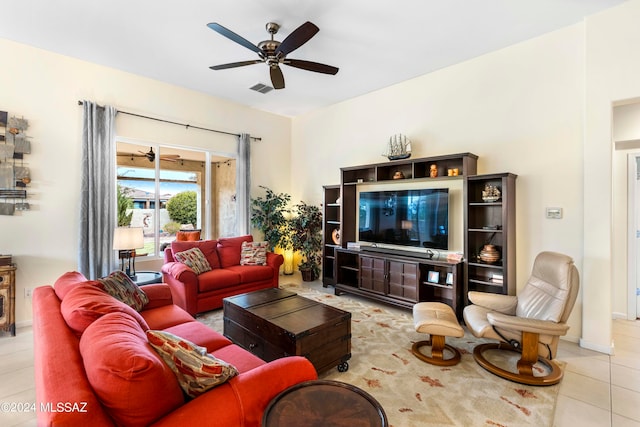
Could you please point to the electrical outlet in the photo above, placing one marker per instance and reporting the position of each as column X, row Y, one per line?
column 27, row 292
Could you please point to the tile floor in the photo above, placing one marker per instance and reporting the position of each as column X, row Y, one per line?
column 597, row 390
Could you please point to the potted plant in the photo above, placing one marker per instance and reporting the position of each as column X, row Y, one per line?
column 306, row 237
column 269, row 215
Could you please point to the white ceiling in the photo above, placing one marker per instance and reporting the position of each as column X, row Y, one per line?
column 375, row 43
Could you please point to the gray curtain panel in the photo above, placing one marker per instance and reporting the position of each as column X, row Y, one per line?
column 96, row 257
column 243, row 184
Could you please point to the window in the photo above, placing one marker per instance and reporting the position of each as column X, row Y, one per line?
column 165, row 189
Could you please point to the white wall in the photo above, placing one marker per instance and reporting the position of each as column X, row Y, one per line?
column 612, row 69
column 45, row 87
column 519, row 109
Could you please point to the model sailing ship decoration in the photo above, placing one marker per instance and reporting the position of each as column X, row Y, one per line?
column 399, row 147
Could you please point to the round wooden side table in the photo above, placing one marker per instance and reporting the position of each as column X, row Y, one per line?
column 324, row 403
column 147, row 278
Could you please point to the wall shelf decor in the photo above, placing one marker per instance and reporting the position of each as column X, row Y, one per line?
column 15, row 176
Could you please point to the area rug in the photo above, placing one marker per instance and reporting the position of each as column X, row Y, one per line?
column 412, row 392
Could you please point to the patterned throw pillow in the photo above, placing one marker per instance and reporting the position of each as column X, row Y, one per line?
column 196, row 370
column 253, row 253
column 194, row 259
column 120, row 286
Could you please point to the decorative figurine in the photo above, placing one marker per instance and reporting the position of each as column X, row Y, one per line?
column 433, row 171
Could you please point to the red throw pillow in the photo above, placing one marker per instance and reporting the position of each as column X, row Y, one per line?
column 207, row 247
column 229, row 249
column 66, row 282
column 128, row 376
column 86, row 303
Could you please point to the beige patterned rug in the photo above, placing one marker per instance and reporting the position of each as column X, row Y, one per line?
column 414, row 393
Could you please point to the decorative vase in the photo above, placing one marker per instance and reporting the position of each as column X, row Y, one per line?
column 335, row 236
column 489, row 254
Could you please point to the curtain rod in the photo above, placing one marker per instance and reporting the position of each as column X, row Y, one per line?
column 255, row 138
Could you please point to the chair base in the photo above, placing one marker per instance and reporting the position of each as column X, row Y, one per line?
column 525, row 376
column 437, row 351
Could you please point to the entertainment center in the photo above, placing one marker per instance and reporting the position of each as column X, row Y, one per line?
column 388, row 231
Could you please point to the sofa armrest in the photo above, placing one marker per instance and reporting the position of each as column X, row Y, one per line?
column 536, row 326
column 179, row 271
column 159, row 295
column 274, row 260
column 502, row 303
column 243, row 399
column 184, row 285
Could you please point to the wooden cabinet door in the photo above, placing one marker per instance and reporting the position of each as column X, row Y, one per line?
column 372, row 274
column 403, row 280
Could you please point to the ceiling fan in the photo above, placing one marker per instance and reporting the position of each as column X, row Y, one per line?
column 274, row 53
column 151, row 155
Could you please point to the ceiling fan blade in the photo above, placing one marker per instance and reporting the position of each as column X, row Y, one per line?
column 311, row 66
column 235, row 64
column 277, row 79
column 297, row 38
column 233, row 36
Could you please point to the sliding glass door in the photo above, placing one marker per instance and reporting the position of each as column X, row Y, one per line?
column 166, row 189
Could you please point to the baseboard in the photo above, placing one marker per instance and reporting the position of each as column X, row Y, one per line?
column 615, row 316
column 596, row 347
column 24, row 324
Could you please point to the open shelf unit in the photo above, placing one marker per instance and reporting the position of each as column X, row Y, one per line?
column 490, row 222
column 330, row 227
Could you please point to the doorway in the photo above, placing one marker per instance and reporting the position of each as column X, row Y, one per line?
column 633, row 234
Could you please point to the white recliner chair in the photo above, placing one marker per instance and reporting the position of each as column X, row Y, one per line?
column 530, row 323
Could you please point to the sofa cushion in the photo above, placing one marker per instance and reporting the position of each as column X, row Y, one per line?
column 194, row 259
column 128, row 376
column 218, row 279
column 229, row 249
column 242, row 359
column 196, row 370
column 66, row 282
column 165, row 316
column 201, row 335
column 86, row 303
column 208, row 247
column 120, row 286
column 255, row 273
column 253, row 253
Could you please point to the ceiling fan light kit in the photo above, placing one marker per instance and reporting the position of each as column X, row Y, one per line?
column 273, row 53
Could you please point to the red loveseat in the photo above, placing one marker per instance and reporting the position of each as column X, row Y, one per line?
column 94, row 365
column 204, row 292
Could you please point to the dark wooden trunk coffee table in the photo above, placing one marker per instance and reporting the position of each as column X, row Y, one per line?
column 274, row 323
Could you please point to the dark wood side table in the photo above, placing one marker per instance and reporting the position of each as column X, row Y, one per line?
column 147, row 277
column 324, row 403
column 7, row 300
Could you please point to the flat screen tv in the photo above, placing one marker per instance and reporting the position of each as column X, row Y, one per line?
column 415, row 218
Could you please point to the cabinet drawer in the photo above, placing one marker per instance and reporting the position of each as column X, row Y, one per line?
column 244, row 338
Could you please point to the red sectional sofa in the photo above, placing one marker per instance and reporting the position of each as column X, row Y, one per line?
column 94, row 365
column 204, row 292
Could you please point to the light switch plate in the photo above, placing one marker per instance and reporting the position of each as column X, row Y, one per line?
column 554, row 213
